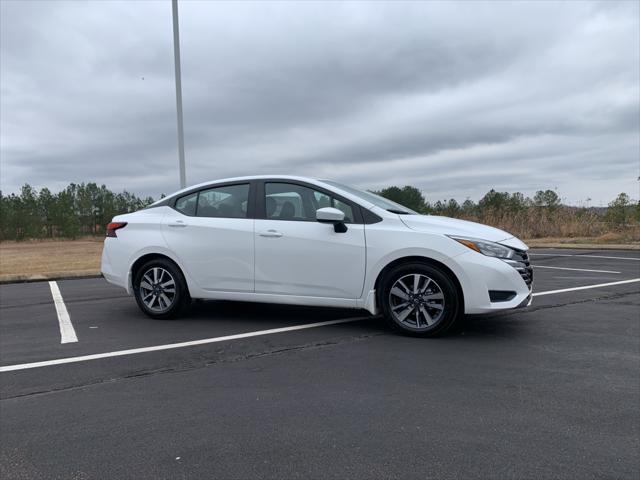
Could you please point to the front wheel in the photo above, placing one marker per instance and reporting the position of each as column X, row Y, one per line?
column 419, row 299
column 160, row 289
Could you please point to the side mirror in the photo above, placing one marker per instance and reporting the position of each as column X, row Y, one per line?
column 334, row 216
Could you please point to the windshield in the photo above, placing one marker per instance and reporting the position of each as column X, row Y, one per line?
column 377, row 200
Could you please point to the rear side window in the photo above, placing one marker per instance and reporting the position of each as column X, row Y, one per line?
column 224, row 202
column 187, row 204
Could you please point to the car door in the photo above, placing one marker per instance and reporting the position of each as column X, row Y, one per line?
column 211, row 232
column 295, row 254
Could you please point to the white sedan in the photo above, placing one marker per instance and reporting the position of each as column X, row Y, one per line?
column 296, row 240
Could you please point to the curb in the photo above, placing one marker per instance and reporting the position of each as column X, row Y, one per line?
column 584, row 246
column 7, row 279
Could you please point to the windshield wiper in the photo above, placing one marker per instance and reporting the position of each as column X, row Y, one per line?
column 399, row 212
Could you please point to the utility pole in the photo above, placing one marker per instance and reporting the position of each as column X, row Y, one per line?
column 176, row 59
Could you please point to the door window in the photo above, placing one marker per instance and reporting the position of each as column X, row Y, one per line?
column 288, row 201
column 187, row 204
column 224, row 202
column 346, row 209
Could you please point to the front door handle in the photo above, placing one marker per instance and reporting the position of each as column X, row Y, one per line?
column 177, row 223
column 271, row 233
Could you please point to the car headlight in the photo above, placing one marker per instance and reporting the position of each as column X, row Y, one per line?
column 485, row 247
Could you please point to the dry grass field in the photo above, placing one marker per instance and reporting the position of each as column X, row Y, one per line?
column 49, row 258
column 42, row 259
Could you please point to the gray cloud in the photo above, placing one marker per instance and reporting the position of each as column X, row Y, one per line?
column 455, row 98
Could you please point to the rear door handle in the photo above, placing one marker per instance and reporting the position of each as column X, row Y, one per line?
column 177, row 223
column 271, row 233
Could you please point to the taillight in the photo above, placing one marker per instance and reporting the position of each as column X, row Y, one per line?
column 113, row 226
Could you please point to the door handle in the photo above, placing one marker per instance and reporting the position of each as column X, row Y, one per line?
column 177, row 223
column 271, row 233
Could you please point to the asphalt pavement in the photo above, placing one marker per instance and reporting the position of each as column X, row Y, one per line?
column 239, row 390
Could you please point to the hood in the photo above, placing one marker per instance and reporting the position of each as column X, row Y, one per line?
column 463, row 228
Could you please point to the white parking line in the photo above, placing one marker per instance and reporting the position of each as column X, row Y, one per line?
column 584, row 256
column 120, row 353
column 575, row 269
column 586, row 287
column 133, row 351
column 67, row 333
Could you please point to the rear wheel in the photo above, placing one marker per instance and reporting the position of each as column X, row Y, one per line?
column 419, row 299
column 160, row 289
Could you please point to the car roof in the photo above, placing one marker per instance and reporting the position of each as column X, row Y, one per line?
column 315, row 181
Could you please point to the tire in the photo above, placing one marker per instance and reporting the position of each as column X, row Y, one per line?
column 426, row 311
column 153, row 285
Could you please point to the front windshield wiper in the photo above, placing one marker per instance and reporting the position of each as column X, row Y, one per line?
column 399, row 212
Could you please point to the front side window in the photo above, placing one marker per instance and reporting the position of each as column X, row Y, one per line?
column 224, row 202
column 287, row 201
column 346, row 209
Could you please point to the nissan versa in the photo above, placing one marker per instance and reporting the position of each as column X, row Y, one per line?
column 295, row 240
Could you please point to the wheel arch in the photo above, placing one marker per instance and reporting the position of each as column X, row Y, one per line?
column 141, row 260
column 419, row 259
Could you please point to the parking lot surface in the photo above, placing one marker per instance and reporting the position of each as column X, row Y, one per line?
column 236, row 390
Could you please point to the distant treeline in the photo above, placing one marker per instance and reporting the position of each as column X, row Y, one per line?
column 78, row 210
column 85, row 209
column 544, row 215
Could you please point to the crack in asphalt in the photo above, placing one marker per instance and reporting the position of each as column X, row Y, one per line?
column 196, row 365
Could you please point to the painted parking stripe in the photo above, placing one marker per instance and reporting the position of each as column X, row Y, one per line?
column 586, row 287
column 67, row 332
column 637, row 259
column 575, row 269
column 133, row 351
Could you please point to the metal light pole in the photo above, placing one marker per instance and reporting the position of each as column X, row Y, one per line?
column 176, row 59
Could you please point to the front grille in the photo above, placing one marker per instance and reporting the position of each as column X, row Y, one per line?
column 520, row 262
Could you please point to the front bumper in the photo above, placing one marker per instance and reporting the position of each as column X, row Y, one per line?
column 526, row 302
column 478, row 274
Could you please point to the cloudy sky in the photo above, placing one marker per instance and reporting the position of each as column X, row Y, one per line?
column 454, row 98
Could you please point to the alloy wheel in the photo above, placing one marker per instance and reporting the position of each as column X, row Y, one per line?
column 157, row 289
column 416, row 301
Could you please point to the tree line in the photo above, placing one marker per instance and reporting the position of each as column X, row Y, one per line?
column 544, row 215
column 85, row 209
column 78, row 210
